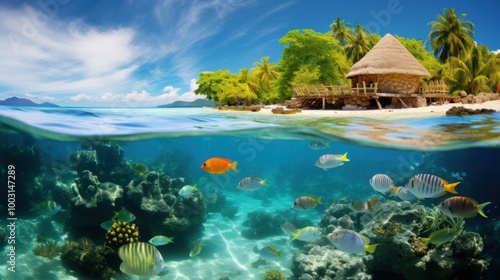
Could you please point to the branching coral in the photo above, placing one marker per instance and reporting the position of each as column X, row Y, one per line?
column 86, row 243
column 47, row 250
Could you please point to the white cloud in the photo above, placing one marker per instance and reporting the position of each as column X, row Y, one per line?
column 81, row 97
column 40, row 98
column 141, row 98
column 43, row 54
column 496, row 52
column 187, row 25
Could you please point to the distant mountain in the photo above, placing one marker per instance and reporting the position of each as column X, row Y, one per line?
column 196, row 103
column 15, row 101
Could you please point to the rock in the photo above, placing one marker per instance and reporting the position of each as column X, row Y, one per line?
column 462, row 111
column 153, row 198
column 281, row 110
column 92, row 202
column 396, row 226
column 463, row 93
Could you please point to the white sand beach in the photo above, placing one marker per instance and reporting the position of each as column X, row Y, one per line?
column 433, row 110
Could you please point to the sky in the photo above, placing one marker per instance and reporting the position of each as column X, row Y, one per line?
column 150, row 53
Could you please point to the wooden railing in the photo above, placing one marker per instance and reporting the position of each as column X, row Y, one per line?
column 331, row 90
column 434, row 88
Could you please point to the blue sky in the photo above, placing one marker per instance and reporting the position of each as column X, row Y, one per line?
column 148, row 53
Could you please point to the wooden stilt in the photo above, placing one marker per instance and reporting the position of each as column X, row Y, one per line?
column 324, row 103
column 378, row 104
column 400, row 100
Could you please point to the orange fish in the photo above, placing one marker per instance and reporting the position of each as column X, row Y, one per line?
column 217, row 165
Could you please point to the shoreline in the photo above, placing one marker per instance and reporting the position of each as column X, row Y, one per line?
column 432, row 110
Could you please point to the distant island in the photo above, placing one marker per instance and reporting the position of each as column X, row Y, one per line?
column 196, row 103
column 16, row 101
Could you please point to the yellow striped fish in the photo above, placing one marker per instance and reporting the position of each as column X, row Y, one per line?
column 429, row 186
column 140, row 258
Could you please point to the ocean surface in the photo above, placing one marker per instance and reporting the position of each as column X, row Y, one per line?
column 50, row 152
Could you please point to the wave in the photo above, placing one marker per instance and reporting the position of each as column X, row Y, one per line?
column 131, row 124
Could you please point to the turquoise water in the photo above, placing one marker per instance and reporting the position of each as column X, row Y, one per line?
column 137, row 148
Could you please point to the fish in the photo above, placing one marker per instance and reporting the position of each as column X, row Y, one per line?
column 360, row 206
column 250, row 184
column 306, row 234
column 429, row 186
column 107, row 224
column 461, row 206
column 306, row 202
column 196, row 249
column 441, row 236
column 319, row 145
column 351, row 242
column 328, row 161
column 187, row 190
column 124, row 215
column 403, row 193
column 141, row 259
column 288, row 228
column 218, row 165
column 270, row 252
column 160, row 240
column 382, row 183
column 139, row 168
column 47, row 208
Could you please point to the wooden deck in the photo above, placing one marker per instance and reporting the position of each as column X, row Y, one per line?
column 309, row 97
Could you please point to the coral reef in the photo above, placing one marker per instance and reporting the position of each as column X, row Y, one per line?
column 92, row 201
column 397, row 226
column 418, row 246
column 119, row 234
column 388, row 229
column 94, row 262
column 323, row 263
column 105, row 160
column 48, row 249
column 154, row 199
column 229, row 211
column 274, row 274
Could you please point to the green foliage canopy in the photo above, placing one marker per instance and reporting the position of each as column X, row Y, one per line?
column 310, row 48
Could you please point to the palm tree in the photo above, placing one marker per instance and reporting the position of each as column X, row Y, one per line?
column 477, row 72
column 361, row 44
column 265, row 72
column 342, row 31
column 246, row 78
column 451, row 36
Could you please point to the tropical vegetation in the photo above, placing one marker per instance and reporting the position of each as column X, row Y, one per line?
column 311, row 58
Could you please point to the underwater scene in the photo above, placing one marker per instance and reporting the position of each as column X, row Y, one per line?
column 101, row 193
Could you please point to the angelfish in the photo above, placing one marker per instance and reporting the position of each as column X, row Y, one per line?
column 351, row 242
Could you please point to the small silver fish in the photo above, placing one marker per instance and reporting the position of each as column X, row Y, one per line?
column 328, row 161
column 250, row 184
column 351, row 242
column 160, row 240
column 319, row 145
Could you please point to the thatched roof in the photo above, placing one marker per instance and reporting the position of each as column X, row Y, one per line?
column 388, row 56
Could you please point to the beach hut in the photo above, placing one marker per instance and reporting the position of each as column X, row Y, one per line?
column 391, row 66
